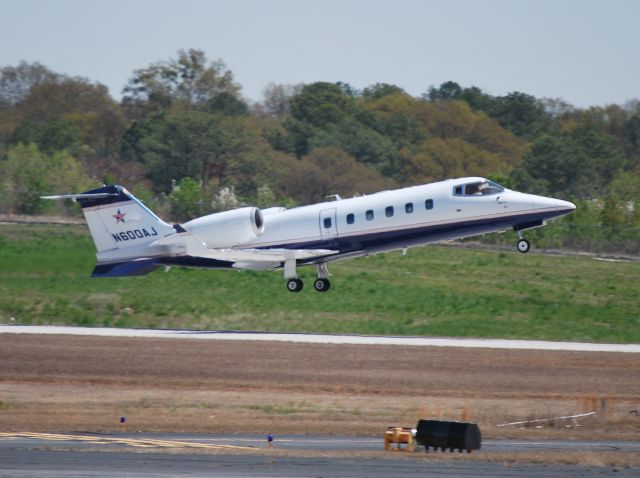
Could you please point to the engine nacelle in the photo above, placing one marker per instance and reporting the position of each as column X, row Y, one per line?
column 229, row 228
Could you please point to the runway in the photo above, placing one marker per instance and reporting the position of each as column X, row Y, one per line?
column 247, row 442
column 136, row 454
column 46, row 464
column 165, row 455
column 324, row 339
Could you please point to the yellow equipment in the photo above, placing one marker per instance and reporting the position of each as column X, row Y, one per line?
column 400, row 436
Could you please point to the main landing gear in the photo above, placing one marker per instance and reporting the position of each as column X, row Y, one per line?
column 322, row 285
column 294, row 284
column 522, row 244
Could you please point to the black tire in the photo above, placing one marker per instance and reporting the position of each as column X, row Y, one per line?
column 322, row 285
column 294, row 285
column 523, row 246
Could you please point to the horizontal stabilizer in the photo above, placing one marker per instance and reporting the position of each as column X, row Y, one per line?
column 81, row 196
column 137, row 267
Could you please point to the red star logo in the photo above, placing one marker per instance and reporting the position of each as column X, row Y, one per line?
column 120, row 216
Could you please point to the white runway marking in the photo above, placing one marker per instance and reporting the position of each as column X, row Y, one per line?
column 323, row 339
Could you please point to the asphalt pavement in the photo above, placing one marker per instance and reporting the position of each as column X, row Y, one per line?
column 167, row 455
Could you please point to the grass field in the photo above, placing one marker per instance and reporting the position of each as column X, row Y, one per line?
column 437, row 290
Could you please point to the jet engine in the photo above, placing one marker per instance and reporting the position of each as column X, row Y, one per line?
column 229, row 228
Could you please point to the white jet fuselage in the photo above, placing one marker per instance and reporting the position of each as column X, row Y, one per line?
column 132, row 240
column 403, row 218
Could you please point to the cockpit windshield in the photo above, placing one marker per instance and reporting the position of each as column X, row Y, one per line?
column 478, row 188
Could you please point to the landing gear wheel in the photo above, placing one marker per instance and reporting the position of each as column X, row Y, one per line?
column 295, row 285
column 523, row 246
column 322, row 285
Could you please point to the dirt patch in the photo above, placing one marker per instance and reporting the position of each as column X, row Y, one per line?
column 70, row 383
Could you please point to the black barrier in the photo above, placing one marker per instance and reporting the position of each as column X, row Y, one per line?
column 452, row 435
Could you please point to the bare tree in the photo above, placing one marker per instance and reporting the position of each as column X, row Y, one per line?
column 277, row 97
column 16, row 81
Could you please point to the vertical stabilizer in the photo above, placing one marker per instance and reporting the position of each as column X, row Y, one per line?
column 117, row 220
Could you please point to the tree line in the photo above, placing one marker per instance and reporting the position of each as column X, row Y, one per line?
column 185, row 140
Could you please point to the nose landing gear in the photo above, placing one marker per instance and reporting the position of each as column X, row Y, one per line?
column 523, row 245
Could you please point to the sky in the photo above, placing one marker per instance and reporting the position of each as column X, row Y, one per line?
column 583, row 51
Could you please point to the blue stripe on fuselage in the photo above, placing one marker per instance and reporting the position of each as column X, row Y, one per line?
column 367, row 242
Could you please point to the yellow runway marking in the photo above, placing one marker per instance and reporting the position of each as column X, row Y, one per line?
column 135, row 442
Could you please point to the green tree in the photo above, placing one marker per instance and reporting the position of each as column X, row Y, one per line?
column 186, row 82
column 633, row 137
column 294, row 138
column 605, row 154
column 522, row 114
column 265, row 197
column 325, row 171
column 187, row 200
column 439, row 158
column 132, row 147
column 578, row 163
column 225, row 103
column 452, row 91
column 625, row 190
column 380, row 90
column 28, row 173
column 54, row 135
column 556, row 166
column 326, row 114
column 456, row 119
column 395, row 117
column 209, row 148
column 321, row 103
column 57, row 110
column 364, row 144
column 448, row 91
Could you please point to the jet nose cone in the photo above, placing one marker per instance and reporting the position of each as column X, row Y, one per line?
column 565, row 207
column 568, row 206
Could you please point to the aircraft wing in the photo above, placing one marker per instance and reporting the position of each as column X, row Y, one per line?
column 282, row 255
column 245, row 258
column 257, row 259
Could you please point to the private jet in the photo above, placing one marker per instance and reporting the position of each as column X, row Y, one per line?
column 131, row 240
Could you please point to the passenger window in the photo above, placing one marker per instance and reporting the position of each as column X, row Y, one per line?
column 428, row 204
column 389, row 211
column 369, row 215
column 327, row 223
column 408, row 208
column 457, row 191
column 351, row 218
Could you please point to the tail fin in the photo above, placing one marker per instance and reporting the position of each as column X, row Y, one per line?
column 117, row 220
